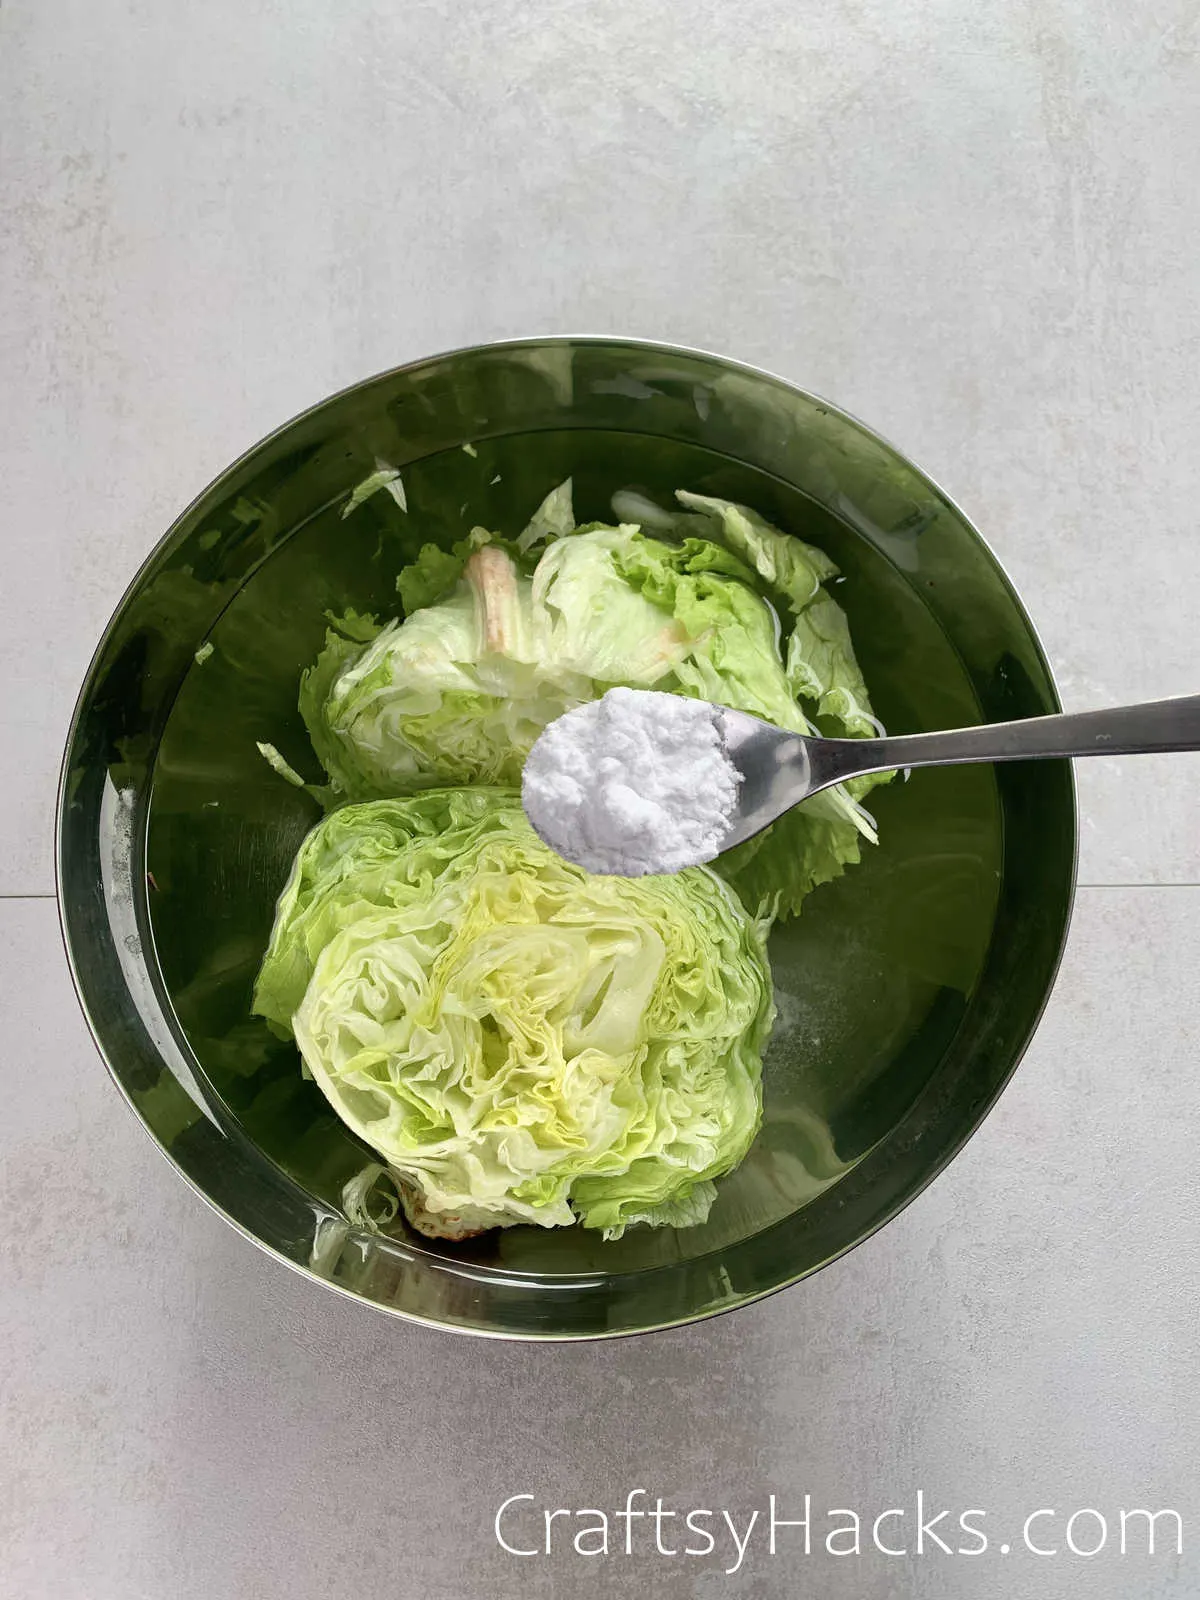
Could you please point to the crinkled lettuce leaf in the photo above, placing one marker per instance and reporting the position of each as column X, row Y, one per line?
column 821, row 665
column 345, row 639
column 783, row 561
column 809, row 846
column 435, row 571
column 518, row 1040
column 429, row 577
column 553, row 519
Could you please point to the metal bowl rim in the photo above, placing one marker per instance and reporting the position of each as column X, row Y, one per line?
column 644, row 346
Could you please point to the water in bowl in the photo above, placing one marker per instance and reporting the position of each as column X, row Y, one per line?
column 872, row 980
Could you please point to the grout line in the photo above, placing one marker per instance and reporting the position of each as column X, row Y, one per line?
column 28, row 897
column 1137, row 885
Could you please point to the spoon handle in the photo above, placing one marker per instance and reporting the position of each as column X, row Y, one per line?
column 1124, row 731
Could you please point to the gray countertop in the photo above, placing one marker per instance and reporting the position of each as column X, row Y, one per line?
column 974, row 227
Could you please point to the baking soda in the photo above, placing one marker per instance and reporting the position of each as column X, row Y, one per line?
column 635, row 783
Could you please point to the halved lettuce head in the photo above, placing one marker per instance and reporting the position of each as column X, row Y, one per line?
column 501, row 638
column 520, row 1041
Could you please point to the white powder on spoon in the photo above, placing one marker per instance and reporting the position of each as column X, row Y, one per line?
column 635, row 783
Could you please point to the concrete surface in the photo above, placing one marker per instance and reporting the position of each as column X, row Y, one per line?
column 973, row 226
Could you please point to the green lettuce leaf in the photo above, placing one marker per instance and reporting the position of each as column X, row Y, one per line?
column 786, row 563
column 823, row 670
column 384, row 477
column 731, row 657
column 553, row 519
column 345, row 639
column 779, row 868
column 519, row 1041
column 280, row 764
column 707, row 588
column 822, row 667
column 430, row 576
column 436, row 571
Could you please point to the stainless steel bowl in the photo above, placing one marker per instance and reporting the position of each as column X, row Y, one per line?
column 908, row 989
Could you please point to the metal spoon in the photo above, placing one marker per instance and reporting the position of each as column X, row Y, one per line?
column 780, row 769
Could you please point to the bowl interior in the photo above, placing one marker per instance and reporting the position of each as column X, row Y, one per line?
column 906, row 989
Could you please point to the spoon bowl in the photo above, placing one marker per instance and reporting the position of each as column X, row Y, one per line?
column 776, row 770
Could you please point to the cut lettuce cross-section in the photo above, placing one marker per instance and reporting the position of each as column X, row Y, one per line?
column 519, row 1041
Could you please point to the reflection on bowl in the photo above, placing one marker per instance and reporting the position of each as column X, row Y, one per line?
column 907, row 990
